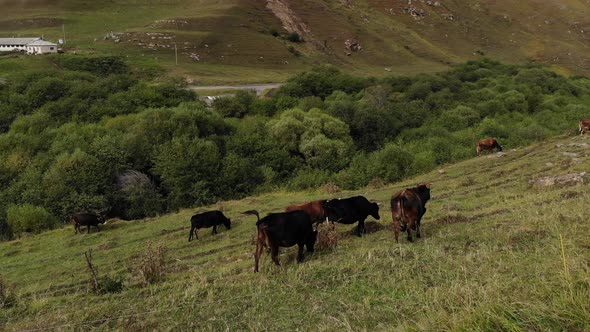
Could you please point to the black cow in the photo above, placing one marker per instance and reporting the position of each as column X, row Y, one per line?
column 284, row 229
column 350, row 210
column 86, row 219
column 208, row 219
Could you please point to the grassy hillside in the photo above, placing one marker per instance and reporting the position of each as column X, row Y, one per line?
column 233, row 39
column 490, row 259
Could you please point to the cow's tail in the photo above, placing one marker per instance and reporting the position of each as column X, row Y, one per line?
column 580, row 127
column 253, row 212
column 400, row 205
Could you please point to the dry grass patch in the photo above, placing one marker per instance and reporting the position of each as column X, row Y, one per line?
column 328, row 236
column 150, row 265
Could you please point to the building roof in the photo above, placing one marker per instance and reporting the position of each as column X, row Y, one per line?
column 17, row 41
column 41, row 43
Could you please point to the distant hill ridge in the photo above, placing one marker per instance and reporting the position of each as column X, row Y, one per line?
column 399, row 36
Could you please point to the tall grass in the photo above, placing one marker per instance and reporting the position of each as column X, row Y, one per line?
column 490, row 259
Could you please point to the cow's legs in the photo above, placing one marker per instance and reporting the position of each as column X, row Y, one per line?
column 274, row 252
column 97, row 228
column 396, row 227
column 190, row 235
column 214, row 229
column 360, row 228
column 418, row 223
column 409, row 228
column 88, row 229
column 259, row 245
column 300, row 253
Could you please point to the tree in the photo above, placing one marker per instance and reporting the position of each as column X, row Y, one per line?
column 188, row 169
column 321, row 140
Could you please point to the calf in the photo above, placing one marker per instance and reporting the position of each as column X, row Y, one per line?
column 284, row 229
column 584, row 125
column 207, row 219
column 407, row 209
column 350, row 210
column 315, row 210
column 86, row 219
column 487, row 144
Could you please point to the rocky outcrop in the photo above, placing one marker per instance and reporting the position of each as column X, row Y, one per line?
column 290, row 21
column 561, row 180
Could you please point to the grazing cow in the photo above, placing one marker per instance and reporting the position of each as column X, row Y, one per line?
column 407, row 209
column 315, row 209
column 86, row 219
column 487, row 144
column 284, row 229
column 350, row 210
column 584, row 125
column 207, row 219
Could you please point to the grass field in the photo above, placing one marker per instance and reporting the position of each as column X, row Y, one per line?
column 490, row 259
column 231, row 42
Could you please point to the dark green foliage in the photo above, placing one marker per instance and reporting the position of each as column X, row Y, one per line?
column 96, row 141
column 237, row 106
column 188, row 169
column 321, row 82
column 104, row 65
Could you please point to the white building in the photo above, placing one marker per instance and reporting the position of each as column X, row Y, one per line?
column 29, row 45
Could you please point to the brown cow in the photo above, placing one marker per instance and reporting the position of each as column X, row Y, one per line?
column 315, row 209
column 584, row 125
column 407, row 209
column 487, row 144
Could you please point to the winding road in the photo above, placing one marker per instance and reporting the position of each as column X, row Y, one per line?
column 256, row 87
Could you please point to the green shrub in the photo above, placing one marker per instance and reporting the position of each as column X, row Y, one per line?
column 309, row 178
column 188, row 170
column 392, row 163
column 29, row 218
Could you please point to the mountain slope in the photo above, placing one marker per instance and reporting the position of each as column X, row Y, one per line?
column 490, row 259
column 232, row 40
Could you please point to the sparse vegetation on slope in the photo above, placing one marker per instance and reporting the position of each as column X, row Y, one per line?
column 490, row 259
column 232, row 41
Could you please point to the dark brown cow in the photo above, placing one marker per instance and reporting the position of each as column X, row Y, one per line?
column 87, row 219
column 315, row 209
column 584, row 125
column 407, row 209
column 487, row 144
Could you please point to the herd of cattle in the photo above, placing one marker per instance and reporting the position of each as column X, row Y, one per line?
column 295, row 226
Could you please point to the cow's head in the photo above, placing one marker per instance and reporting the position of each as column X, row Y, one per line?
column 102, row 219
column 424, row 191
column 374, row 211
column 329, row 211
column 227, row 223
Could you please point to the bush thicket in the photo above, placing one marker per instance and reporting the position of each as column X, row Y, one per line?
column 96, row 136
